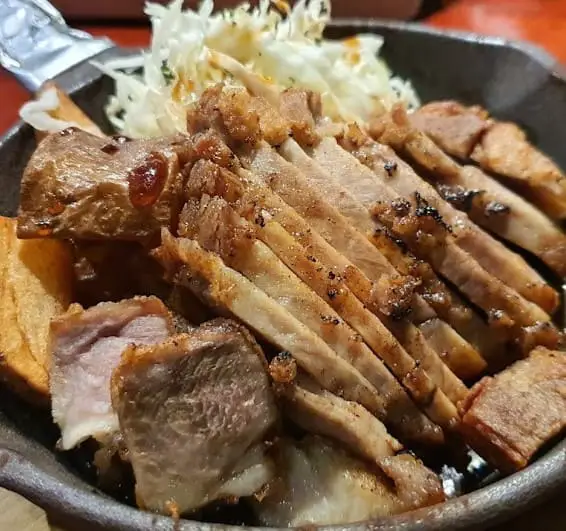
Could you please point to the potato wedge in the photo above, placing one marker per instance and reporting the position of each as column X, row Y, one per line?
column 67, row 111
column 36, row 282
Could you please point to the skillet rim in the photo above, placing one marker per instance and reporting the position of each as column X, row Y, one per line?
column 484, row 507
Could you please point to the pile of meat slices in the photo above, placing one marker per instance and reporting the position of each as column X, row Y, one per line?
column 369, row 263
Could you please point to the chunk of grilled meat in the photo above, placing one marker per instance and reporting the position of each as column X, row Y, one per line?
column 487, row 202
column 499, row 147
column 192, row 410
column 86, row 346
column 509, row 417
column 187, row 263
column 320, row 484
column 218, row 228
column 455, row 128
column 394, row 129
column 77, row 185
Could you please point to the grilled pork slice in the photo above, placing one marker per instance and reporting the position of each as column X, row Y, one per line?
column 424, row 232
column 446, row 256
column 322, row 413
column 505, row 150
column 491, row 254
column 498, row 147
column 421, row 378
column 86, row 346
column 320, row 484
column 192, row 410
column 77, row 185
column 509, row 417
column 187, row 263
column 217, row 227
column 486, row 202
column 256, row 202
column 352, row 213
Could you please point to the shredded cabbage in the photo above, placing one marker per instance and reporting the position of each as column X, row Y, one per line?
column 283, row 46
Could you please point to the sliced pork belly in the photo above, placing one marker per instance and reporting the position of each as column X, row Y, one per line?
column 193, row 411
column 217, row 227
column 499, row 147
column 486, row 202
column 77, row 185
column 510, row 416
column 449, row 259
column 228, row 291
column 322, row 413
column 491, row 254
column 86, row 346
column 421, row 376
column 505, row 150
column 320, row 484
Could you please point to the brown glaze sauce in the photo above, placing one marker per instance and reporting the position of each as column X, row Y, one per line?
column 147, row 180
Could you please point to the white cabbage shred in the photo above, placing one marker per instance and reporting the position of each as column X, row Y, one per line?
column 282, row 46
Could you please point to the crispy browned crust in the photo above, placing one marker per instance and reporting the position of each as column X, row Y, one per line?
column 509, row 417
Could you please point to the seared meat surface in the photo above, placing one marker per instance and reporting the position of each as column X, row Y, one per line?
column 86, row 346
column 77, row 185
column 498, row 147
column 192, row 410
column 508, row 417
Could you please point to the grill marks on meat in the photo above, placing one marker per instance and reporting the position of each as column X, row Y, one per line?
column 228, row 291
column 394, row 129
column 193, row 409
column 86, row 346
column 73, row 188
column 498, row 147
column 217, row 227
column 486, row 201
column 509, row 417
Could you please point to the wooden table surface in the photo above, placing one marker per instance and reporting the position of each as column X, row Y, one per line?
column 540, row 21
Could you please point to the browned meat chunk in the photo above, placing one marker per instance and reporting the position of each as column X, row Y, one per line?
column 86, row 346
column 454, row 127
column 191, row 409
column 77, row 185
column 509, row 417
column 505, row 150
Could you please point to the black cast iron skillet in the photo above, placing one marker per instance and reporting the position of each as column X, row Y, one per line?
column 514, row 81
